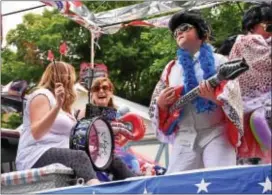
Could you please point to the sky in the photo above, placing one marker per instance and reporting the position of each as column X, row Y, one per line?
column 10, row 22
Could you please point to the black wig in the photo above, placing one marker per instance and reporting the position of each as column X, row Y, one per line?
column 227, row 45
column 192, row 18
column 255, row 15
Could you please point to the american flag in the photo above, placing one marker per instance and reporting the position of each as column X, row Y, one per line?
column 236, row 180
column 56, row 4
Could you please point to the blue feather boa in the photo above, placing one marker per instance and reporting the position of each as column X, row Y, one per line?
column 206, row 60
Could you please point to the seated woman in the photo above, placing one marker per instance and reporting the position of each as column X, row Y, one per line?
column 47, row 121
column 102, row 95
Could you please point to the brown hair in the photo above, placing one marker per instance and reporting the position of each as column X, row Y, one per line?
column 65, row 74
column 97, row 82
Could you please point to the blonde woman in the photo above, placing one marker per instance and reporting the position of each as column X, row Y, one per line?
column 48, row 120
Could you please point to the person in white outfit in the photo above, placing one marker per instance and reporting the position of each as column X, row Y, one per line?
column 209, row 128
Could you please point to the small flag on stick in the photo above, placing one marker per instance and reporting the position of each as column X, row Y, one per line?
column 50, row 56
column 63, row 49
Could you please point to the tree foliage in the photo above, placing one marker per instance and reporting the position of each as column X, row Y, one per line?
column 135, row 56
column 12, row 120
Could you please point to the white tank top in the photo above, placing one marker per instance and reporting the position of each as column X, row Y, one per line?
column 29, row 149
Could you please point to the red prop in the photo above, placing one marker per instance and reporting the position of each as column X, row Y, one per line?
column 139, row 23
column 50, row 55
column 165, row 119
column 63, row 48
column 131, row 127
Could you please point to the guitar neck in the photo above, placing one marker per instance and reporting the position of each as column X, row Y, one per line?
column 214, row 81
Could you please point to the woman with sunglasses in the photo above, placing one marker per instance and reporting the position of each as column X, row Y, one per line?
column 255, row 47
column 201, row 137
column 102, row 95
column 47, row 122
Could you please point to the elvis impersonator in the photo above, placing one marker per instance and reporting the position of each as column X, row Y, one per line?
column 210, row 127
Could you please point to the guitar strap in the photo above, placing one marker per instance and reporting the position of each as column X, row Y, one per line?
column 168, row 71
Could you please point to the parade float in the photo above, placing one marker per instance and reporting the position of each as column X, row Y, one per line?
column 57, row 178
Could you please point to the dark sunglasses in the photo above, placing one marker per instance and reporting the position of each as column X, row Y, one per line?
column 182, row 28
column 103, row 87
column 267, row 27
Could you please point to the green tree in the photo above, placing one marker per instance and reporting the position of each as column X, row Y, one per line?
column 225, row 20
column 135, row 56
column 14, row 120
column 13, row 68
column 100, row 6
